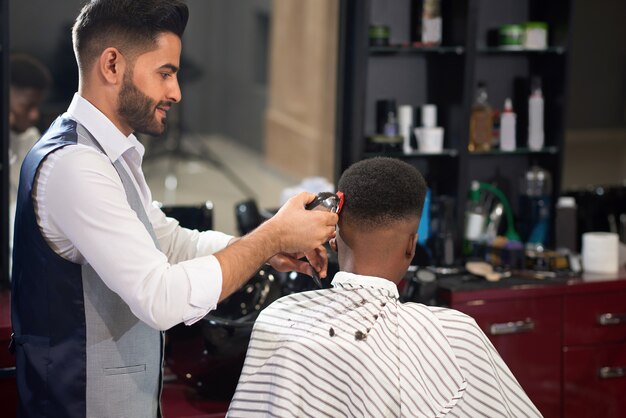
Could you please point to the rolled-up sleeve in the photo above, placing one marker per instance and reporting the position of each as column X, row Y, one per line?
column 203, row 294
column 193, row 250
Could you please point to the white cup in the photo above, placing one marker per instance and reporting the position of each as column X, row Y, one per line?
column 600, row 252
column 429, row 139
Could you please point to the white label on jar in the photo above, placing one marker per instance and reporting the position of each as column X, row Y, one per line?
column 536, row 39
column 431, row 31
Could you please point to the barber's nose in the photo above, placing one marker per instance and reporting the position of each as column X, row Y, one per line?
column 175, row 94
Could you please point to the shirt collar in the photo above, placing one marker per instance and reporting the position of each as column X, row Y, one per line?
column 111, row 139
column 344, row 278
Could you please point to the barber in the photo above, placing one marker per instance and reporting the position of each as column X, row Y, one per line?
column 98, row 271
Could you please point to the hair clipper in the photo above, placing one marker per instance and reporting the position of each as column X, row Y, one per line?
column 329, row 202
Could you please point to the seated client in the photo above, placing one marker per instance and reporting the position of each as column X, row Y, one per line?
column 355, row 350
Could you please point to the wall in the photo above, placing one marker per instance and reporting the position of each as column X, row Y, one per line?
column 595, row 151
column 300, row 121
column 228, row 41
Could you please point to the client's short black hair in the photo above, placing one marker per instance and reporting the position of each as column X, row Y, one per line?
column 381, row 190
column 124, row 24
column 29, row 73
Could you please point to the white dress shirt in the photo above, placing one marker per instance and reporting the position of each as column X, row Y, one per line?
column 356, row 351
column 84, row 215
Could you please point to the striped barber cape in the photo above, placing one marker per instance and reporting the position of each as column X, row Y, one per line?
column 356, row 351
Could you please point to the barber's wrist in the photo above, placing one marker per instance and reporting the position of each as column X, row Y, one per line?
column 270, row 238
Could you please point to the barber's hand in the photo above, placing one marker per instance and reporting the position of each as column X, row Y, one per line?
column 317, row 259
column 302, row 231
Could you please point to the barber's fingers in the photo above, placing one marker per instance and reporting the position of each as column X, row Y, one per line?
column 301, row 199
column 290, row 262
column 323, row 218
column 299, row 229
column 318, row 258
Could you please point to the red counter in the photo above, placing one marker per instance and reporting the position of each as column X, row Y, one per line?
column 565, row 341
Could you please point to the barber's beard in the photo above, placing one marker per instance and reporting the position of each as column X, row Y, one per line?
column 139, row 110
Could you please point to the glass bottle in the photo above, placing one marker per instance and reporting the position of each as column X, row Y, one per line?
column 474, row 220
column 536, row 207
column 481, row 121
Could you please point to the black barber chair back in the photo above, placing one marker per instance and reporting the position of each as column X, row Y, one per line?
column 198, row 216
column 209, row 354
column 248, row 216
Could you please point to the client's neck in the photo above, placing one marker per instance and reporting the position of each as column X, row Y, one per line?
column 375, row 254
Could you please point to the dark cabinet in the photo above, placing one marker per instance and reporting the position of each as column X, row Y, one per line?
column 564, row 342
column 594, row 381
column 527, row 334
column 594, row 354
column 594, row 318
column 447, row 75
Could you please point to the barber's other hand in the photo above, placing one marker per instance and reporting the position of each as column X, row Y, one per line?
column 299, row 230
column 317, row 259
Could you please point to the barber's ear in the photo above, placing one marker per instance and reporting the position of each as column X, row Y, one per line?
column 410, row 245
column 111, row 65
column 333, row 244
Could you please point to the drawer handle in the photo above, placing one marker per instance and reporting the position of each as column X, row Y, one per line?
column 515, row 327
column 7, row 372
column 611, row 319
column 612, row 372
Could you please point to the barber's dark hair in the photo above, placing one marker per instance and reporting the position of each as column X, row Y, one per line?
column 128, row 25
column 29, row 73
column 380, row 191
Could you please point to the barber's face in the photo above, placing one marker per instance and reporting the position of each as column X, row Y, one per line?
column 24, row 104
column 150, row 87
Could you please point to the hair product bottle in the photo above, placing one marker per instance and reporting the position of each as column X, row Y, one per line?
column 406, row 125
column 481, row 121
column 535, row 116
column 507, row 127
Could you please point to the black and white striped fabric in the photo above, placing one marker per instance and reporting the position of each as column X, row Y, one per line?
column 356, row 351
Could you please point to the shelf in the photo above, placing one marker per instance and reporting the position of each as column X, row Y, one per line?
column 447, row 75
column 460, row 50
column 409, row 50
column 518, row 151
column 415, row 154
column 494, row 50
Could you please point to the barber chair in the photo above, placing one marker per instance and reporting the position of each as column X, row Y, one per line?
column 198, row 216
column 249, row 216
column 209, row 354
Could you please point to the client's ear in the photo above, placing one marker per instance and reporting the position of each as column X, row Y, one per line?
column 333, row 244
column 410, row 246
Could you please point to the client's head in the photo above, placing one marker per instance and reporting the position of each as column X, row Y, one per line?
column 377, row 229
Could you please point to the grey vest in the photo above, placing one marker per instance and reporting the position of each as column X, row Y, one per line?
column 124, row 355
